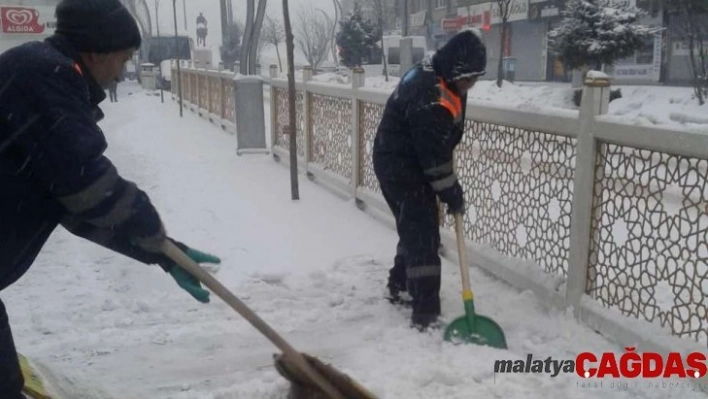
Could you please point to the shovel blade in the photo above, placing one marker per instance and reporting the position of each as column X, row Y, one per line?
column 484, row 332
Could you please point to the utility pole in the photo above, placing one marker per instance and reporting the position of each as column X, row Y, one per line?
column 405, row 18
column 184, row 11
column 179, row 69
column 159, row 64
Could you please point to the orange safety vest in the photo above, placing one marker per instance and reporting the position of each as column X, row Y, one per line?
column 77, row 68
column 450, row 101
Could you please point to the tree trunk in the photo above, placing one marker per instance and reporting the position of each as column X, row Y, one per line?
column 292, row 120
column 500, row 67
column 255, row 36
column 224, row 24
column 383, row 56
column 277, row 52
column 697, row 83
column 405, row 18
column 246, row 42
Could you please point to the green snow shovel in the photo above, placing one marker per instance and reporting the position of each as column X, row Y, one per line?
column 471, row 328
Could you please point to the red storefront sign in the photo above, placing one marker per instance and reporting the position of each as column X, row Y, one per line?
column 482, row 20
column 452, row 23
column 20, row 20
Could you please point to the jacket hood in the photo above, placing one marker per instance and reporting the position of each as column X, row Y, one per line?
column 464, row 55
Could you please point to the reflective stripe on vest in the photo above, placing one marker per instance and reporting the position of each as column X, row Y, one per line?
column 450, row 101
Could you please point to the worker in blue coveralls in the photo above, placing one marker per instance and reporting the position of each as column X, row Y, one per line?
column 52, row 167
column 422, row 124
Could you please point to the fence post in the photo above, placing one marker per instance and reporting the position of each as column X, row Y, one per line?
column 358, row 81
column 193, row 87
column 273, row 106
column 595, row 101
column 249, row 110
column 306, row 114
column 173, row 78
column 207, row 88
column 197, row 80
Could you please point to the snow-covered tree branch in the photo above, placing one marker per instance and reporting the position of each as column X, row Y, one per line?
column 594, row 33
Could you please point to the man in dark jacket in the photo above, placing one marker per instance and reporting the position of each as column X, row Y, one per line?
column 52, row 167
column 413, row 159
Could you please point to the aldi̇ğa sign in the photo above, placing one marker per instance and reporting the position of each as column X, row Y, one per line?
column 27, row 20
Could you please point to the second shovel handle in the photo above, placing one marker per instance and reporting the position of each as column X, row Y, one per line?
column 462, row 255
column 185, row 262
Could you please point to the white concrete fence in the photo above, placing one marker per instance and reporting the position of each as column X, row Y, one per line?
column 601, row 217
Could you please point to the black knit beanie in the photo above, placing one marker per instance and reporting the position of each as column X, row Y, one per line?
column 97, row 26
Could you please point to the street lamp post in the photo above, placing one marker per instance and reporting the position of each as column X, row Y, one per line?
column 179, row 70
column 159, row 64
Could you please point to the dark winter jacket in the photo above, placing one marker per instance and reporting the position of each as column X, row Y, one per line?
column 52, row 168
column 424, row 118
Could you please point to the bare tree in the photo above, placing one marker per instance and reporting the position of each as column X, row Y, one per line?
column 262, row 44
column 692, row 17
column 313, row 31
column 468, row 4
column 251, row 36
column 504, row 13
column 273, row 34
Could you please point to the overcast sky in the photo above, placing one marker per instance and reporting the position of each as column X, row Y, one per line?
column 211, row 11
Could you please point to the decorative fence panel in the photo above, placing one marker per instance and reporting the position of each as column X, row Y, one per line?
column 613, row 214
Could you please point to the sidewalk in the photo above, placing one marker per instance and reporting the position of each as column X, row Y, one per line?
column 315, row 269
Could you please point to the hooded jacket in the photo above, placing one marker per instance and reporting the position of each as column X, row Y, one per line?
column 424, row 118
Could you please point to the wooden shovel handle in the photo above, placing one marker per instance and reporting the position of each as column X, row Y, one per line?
column 296, row 359
column 462, row 254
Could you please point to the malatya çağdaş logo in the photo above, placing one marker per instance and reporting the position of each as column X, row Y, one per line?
column 611, row 365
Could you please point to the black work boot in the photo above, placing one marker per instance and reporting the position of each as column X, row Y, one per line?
column 426, row 302
column 397, row 279
column 397, row 293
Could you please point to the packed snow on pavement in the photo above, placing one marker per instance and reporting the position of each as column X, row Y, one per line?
column 315, row 269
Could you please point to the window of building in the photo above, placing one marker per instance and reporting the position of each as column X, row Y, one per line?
column 645, row 55
column 441, row 4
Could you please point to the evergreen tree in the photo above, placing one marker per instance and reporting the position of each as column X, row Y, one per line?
column 231, row 48
column 596, row 32
column 356, row 38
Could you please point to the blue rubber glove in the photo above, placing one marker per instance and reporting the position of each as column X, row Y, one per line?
column 188, row 282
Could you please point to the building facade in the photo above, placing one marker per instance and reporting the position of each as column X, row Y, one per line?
column 663, row 59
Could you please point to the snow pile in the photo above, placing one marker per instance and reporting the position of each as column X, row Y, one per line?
column 379, row 82
column 673, row 107
column 660, row 106
column 522, row 97
column 332, row 77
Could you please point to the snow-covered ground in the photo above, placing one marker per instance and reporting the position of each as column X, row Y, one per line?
column 314, row 269
column 672, row 107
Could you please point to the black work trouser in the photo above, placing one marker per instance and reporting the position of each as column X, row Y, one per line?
column 11, row 381
column 417, row 263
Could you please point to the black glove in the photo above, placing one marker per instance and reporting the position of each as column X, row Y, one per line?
column 454, row 198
